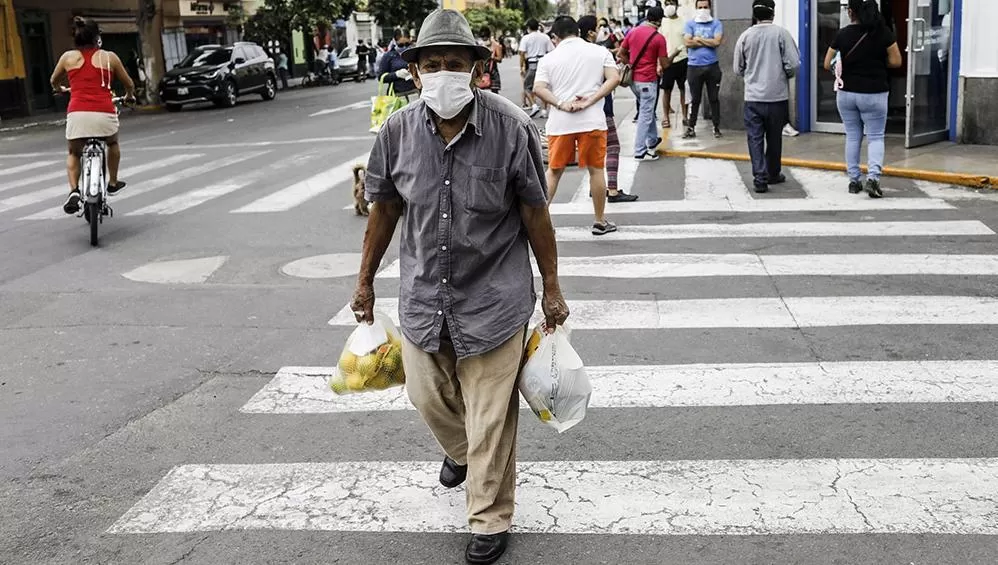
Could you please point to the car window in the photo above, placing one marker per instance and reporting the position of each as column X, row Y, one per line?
column 205, row 57
column 258, row 52
column 348, row 52
column 241, row 52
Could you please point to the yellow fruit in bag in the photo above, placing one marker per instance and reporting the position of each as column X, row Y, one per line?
column 338, row 385
column 533, row 343
column 348, row 363
column 355, row 382
column 367, row 365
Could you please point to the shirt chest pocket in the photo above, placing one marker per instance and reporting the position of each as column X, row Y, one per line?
column 487, row 190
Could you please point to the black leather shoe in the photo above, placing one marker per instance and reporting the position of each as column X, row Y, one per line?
column 780, row 179
column 484, row 549
column 452, row 474
column 761, row 188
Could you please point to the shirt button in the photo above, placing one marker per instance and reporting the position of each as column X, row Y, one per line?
column 444, row 281
column 446, row 183
column 440, row 312
column 443, row 248
column 445, row 216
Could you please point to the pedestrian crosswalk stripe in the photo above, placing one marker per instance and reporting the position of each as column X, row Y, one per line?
column 786, row 312
column 653, row 265
column 708, row 497
column 139, row 188
column 826, row 185
column 36, row 179
column 713, row 180
column 773, row 205
column 25, row 167
column 303, row 191
column 192, row 198
column 780, row 229
column 38, row 196
column 304, row 390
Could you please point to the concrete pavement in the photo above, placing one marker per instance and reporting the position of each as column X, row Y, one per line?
column 803, row 376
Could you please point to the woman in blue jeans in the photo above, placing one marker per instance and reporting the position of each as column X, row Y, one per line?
column 862, row 52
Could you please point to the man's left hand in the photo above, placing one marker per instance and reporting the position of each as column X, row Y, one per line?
column 554, row 307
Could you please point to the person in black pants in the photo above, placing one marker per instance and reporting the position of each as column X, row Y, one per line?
column 703, row 35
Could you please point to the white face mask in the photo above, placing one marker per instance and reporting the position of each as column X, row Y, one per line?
column 670, row 11
column 446, row 92
column 703, row 15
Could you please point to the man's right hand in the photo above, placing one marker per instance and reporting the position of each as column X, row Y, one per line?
column 403, row 74
column 362, row 304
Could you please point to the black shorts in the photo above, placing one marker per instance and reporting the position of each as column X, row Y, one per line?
column 675, row 74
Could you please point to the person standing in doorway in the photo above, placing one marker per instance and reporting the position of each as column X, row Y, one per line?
column 534, row 46
column 673, row 28
column 767, row 57
column 703, row 35
column 574, row 79
column 861, row 54
column 645, row 49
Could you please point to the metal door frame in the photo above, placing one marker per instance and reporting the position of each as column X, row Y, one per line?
column 816, row 126
column 912, row 139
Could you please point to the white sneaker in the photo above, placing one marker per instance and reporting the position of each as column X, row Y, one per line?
column 789, row 131
column 544, row 114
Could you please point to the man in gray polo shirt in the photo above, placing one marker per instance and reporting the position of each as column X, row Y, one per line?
column 462, row 170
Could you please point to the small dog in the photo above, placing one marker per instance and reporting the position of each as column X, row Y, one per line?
column 360, row 205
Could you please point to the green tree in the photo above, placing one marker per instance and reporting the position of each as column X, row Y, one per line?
column 400, row 13
column 498, row 20
column 537, row 9
column 271, row 22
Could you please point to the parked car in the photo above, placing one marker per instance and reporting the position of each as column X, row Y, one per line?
column 219, row 74
column 348, row 62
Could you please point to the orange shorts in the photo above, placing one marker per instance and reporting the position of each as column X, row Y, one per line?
column 591, row 146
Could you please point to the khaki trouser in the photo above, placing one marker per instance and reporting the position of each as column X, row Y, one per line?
column 471, row 406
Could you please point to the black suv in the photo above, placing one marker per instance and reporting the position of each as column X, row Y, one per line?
column 219, row 74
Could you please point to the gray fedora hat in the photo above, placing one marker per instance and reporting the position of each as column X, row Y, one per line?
column 445, row 28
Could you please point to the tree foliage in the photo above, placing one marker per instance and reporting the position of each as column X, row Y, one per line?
column 271, row 22
column 537, row 9
column 498, row 20
column 400, row 13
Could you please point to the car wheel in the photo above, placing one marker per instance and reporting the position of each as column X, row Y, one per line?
column 229, row 95
column 269, row 89
column 174, row 107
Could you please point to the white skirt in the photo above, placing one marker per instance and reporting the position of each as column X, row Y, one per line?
column 82, row 125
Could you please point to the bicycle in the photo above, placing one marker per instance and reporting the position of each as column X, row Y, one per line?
column 94, row 179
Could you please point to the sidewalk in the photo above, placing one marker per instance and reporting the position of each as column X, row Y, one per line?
column 966, row 165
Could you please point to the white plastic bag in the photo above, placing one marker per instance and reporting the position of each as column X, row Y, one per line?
column 371, row 359
column 554, row 381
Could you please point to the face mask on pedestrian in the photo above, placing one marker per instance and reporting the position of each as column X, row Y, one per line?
column 703, row 15
column 446, row 92
column 670, row 11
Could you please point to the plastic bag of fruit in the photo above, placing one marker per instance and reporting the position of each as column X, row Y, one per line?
column 554, row 381
column 370, row 360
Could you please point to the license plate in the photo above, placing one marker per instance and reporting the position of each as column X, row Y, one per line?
column 182, row 91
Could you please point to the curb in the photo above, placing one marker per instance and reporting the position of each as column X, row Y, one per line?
column 961, row 179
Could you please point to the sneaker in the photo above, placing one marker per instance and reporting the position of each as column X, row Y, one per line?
column 718, row 134
column 621, row 196
column 855, row 187
column 690, row 133
column 606, row 227
column 761, row 187
column 789, row 131
column 873, row 188
column 116, row 188
column 780, row 179
column 72, row 204
column 658, row 141
column 534, row 110
column 544, row 114
column 647, row 157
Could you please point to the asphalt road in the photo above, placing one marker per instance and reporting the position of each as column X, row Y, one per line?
column 807, row 377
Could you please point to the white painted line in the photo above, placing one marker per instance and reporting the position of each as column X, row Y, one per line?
column 26, row 167
column 328, row 266
column 37, row 179
column 780, row 229
column 824, row 185
column 726, row 497
column 193, row 198
column 714, row 179
column 648, row 266
column 184, row 271
column 160, row 181
column 37, row 196
column 769, row 205
column 949, row 192
column 303, row 191
column 354, row 106
column 304, row 390
column 790, row 312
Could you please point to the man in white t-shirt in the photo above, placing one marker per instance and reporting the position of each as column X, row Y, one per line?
column 574, row 79
column 533, row 46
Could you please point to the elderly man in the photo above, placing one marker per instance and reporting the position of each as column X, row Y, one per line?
column 462, row 169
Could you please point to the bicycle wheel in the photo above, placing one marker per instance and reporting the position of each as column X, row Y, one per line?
column 92, row 212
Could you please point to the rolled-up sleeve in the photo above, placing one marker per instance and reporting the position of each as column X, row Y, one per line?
column 528, row 163
column 378, row 184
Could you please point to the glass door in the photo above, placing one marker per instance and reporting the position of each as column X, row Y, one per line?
column 827, row 17
column 928, row 49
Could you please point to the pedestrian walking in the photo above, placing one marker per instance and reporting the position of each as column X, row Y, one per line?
column 767, row 57
column 282, row 68
column 373, row 52
column 491, row 66
column 533, row 47
column 467, row 291
column 673, row 29
column 590, row 31
column 361, row 52
column 393, row 67
column 647, row 52
column 574, row 79
column 703, row 35
column 861, row 53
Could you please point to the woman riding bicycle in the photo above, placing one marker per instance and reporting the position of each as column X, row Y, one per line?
column 91, row 112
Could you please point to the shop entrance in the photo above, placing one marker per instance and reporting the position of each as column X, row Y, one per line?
column 919, row 101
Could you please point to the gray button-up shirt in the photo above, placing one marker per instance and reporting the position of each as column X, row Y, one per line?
column 464, row 251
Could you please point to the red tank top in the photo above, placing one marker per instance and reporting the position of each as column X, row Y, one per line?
column 90, row 87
